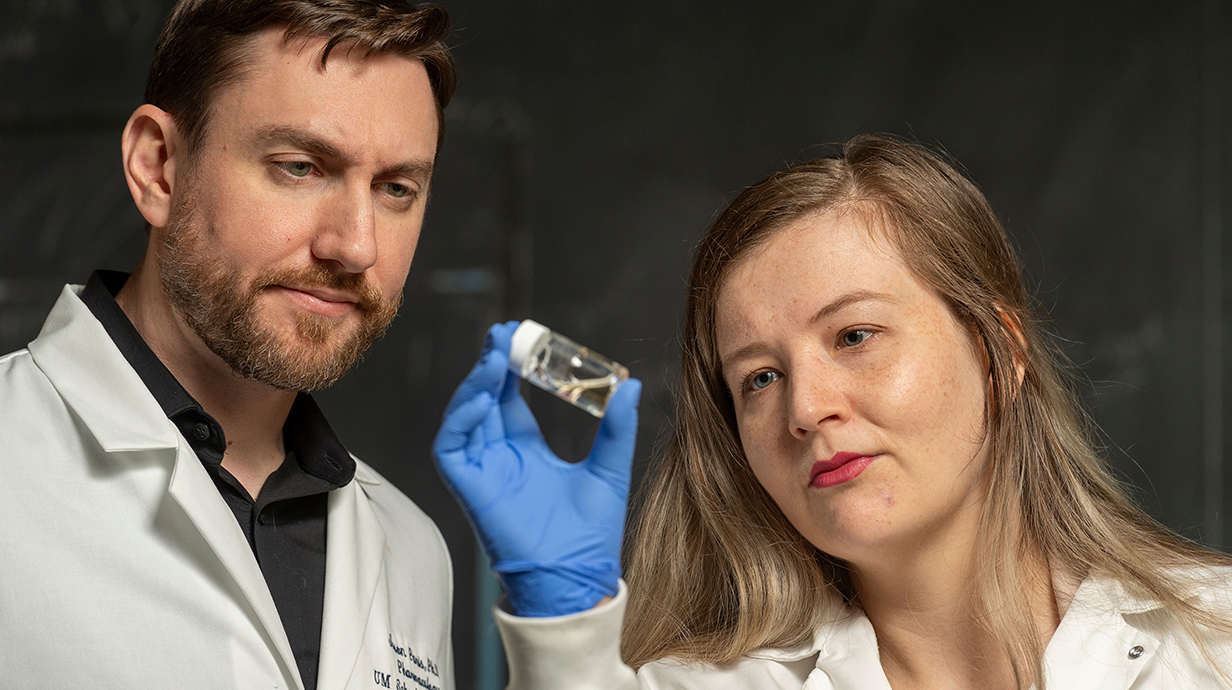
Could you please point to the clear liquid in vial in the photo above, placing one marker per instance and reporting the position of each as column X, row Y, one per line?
column 569, row 371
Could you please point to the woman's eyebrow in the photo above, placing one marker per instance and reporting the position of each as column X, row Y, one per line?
column 833, row 307
column 843, row 301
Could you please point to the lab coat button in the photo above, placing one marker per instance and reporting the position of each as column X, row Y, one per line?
column 201, row 431
column 1136, row 651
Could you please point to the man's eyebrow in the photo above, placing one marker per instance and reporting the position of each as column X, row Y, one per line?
column 297, row 138
column 416, row 170
column 833, row 307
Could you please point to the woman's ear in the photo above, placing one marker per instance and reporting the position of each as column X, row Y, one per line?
column 150, row 146
column 1020, row 350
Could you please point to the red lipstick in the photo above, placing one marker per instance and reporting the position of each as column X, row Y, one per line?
column 843, row 467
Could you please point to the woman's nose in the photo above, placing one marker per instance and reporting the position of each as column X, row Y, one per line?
column 816, row 399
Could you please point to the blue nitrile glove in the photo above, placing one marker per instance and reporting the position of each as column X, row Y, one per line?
column 552, row 529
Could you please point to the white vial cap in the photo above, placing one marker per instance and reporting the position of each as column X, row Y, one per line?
column 525, row 338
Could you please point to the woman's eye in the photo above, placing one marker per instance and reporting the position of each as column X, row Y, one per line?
column 298, row 168
column 762, row 379
column 854, row 337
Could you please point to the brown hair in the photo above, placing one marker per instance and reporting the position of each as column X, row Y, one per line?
column 202, row 47
column 716, row 570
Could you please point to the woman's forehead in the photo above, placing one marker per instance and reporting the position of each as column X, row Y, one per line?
column 811, row 271
column 830, row 248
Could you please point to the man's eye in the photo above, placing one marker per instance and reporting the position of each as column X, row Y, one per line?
column 854, row 337
column 397, row 190
column 762, row 379
column 298, row 168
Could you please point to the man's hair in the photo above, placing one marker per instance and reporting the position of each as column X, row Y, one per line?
column 203, row 48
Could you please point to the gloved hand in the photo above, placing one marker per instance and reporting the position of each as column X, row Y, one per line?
column 552, row 529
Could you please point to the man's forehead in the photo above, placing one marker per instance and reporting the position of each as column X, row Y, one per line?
column 275, row 45
column 354, row 101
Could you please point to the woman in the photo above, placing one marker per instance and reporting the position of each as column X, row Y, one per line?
column 880, row 476
column 873, row 425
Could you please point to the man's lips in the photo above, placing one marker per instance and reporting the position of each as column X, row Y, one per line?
column 324, row 301
column 843, row 467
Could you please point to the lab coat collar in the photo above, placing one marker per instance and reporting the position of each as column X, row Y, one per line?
column 89, row 372
column 848, row 657
column 1097, row 626
column 1096, row 643
column 97, row 383
column 846, row 652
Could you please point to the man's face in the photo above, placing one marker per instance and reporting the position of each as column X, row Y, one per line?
column 294, row 226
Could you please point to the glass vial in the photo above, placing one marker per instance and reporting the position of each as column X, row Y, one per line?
column 564, row 368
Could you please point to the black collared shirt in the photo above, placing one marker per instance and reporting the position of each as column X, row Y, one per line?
column 285, row 524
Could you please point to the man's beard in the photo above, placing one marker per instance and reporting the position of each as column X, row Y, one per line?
column 223, row 313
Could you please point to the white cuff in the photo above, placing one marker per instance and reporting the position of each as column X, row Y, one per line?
column 580, row 651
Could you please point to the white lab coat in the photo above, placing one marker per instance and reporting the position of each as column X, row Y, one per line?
column 122, row 567
column 1107, row 640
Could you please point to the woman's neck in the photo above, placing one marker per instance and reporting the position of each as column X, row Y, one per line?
column 928, row 620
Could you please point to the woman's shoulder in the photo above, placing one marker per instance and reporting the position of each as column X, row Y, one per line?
column 1207, row 586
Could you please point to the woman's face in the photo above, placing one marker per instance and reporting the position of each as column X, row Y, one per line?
column 859, row 396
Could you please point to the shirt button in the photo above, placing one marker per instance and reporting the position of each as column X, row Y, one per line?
column 201, row 431
column 261, row 521
column 1136, row 651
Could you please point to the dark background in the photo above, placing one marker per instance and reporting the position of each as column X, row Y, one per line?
column 590, row 143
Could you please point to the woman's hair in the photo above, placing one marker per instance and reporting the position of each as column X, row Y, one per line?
column 716, row 570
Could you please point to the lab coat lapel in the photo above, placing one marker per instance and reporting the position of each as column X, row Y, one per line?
column 354, row 553
column 193, row 489
column 97, row 383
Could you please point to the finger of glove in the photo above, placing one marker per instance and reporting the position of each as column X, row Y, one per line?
column 611, row 455
column 449, row 447
column 493, row 427
column 487, row 376
column 520, row 422
column 500, row 337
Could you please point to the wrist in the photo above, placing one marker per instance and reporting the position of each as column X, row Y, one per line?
column 557, row 589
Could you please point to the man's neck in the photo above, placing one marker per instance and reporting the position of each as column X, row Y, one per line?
column 251, row 414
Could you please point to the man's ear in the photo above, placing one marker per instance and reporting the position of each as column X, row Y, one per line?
column 1020, row 341
column 151, row 147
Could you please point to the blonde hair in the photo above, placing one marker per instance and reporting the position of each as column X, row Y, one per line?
column 715, row 569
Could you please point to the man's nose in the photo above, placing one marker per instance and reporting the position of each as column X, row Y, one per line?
column 347, row 232
column 816, row 398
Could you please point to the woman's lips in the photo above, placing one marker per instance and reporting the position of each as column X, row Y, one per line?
column 843, row 467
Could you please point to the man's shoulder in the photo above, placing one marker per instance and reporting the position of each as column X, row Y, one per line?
column 21, row 384
column 14, row 362
column 394, row 509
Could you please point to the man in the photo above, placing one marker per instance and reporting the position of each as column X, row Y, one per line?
column 178, row 513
